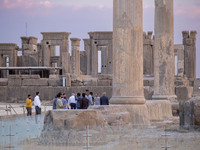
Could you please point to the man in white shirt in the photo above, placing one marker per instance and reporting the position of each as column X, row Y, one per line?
column 72, row 101
column 37, row 103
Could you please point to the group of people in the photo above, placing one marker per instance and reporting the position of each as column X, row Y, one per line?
column 79, row 101
column 37, row 104
column 75, row 101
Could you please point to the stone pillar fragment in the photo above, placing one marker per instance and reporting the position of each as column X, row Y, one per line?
column 75, row 43
column 164, row 67
column 128, row 52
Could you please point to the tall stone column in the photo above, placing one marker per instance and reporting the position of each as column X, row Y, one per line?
column 75, row 43
column 164, row 67
column 189, row 42
column 87, row 49
column 45, row 54
column 128, row 52
column 110, row 57
column 180, row 63
column 93, row 54
column 104, row 59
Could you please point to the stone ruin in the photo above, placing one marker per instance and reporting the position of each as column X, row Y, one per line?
column 135, row 67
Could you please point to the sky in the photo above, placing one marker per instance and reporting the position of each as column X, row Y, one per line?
column 82, row 16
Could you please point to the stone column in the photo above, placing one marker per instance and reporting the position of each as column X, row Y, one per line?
column 45, row 54
column 1, row 60
column 148, row 59
column 52, row 50
column 87, row 49
column 180, row 64
column 128, row 52
column 104, row 59
column 189, row 42
column 93, row 55
column 110, row 58
column 164, row 67
column 75, row 43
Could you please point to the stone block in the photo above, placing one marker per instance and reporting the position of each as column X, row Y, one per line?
column 76, row 83
column 184, row 93
column 3, row 81
column 148, row 92
column 159, row 109
column 14, row 82
column 54, row 82
column 104, row 76
column 3, row 94
column 54, row 76
column 35, row 82
column 190, row 113
column 30, row 76
column 73, row 119
column 103, row 83
column 90, row 82
column 197, row 85
column 148, row 81
column 14, row 76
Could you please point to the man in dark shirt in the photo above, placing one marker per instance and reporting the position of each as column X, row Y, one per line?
column 84, row 102
column 104, row 99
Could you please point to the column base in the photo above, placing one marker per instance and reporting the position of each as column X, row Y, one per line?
column 128, row 100
column 164, row 97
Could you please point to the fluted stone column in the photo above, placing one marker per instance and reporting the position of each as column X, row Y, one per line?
column 75, row 43
column 128, row 52
column 164, row 67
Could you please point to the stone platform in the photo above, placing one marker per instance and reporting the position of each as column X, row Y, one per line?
column 113, row 115
column 65, row 125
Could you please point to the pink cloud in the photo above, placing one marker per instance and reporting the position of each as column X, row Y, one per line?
column 12, row 4
column 78, row 6
column 191, row 12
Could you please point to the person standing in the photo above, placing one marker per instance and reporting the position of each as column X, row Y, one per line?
column 59, row 104
column 78, row 99
column 104, row 99
column 29, row 105
column 91, row 93
column 89, row 97
column 64, row 100
column 84, row 103
column 54, row 102
column 97, row 100
column 37, row 104
column 72, row 101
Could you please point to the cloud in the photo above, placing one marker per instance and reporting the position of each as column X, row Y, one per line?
column 24, row 4
column 188, row 10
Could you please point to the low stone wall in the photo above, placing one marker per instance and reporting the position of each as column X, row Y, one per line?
column 47, row 93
